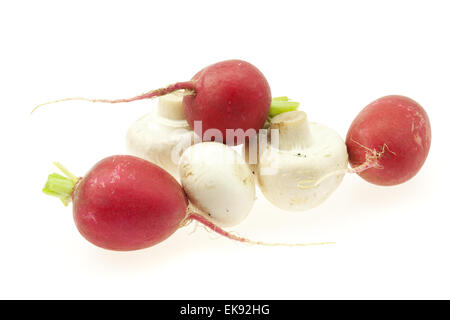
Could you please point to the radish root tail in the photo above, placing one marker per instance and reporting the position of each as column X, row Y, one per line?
column 188, row 86
column 210, row 225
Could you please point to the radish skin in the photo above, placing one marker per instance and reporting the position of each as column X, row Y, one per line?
column 229, row 95
column 389, row 140
column 126, row 203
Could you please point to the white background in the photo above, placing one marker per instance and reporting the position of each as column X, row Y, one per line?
column 333, row 56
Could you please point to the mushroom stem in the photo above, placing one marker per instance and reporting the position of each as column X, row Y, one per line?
column 293, row 130
column 170, row 106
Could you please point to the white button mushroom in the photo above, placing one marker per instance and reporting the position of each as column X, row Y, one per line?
column 305, row 165
column 218, row 182
column 161, row 136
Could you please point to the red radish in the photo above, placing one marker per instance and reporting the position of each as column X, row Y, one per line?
column 127, row 203
column 231, row 94
column 389, row 140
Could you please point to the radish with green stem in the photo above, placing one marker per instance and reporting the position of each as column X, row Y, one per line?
column 227, row 95
column 127, row 203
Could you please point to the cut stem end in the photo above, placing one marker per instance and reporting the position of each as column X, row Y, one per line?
column 61, row 186
column 281, row 105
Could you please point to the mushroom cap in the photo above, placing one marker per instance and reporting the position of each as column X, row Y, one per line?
column 218, row 182
column 304, row 176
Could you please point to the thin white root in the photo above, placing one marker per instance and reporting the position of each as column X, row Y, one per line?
column 309, row 184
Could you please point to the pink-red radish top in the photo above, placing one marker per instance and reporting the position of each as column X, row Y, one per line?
column 232, row 95
column 392, row 135
column 127, row 203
